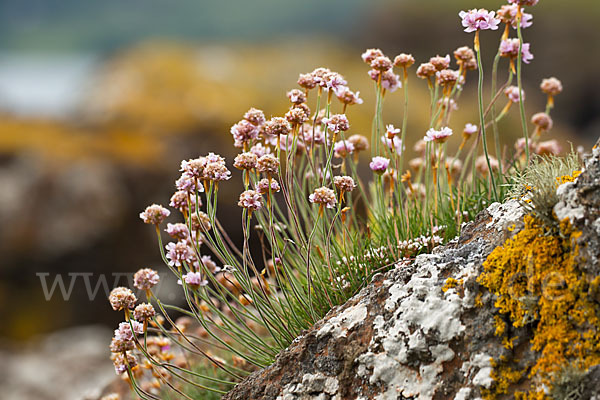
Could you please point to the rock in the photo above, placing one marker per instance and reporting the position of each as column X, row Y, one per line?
column 404, row 337
column 69, row 365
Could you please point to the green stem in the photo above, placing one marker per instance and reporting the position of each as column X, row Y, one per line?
column 482, row 120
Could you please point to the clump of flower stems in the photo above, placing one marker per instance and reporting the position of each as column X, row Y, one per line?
column 324, row 230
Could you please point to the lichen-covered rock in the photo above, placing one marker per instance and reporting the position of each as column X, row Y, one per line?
column 428, row 329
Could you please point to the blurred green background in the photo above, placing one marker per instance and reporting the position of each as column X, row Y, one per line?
column 99, row 101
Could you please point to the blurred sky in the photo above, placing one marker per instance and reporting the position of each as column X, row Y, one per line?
column 71, row 34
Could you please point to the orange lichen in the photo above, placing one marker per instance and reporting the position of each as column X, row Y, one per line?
column 450, row 283
column 478, row 300
column 504, row 376
column 567, row 178
column 537, row 282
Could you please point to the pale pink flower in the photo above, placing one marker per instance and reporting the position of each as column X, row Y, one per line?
column 314, row 135
column 343, row 148
column 263, row 186
column 404, row 60
column 477, row 20
column 255, row 116
column 426, row 70
column 268, row 164
column 379, row 164
column 510, row 48
column 549, row 147
column 209, row 264
column 332, row 81
column 438, row 136
column 124, row 331
column 344, row 183
column 243, row 132
column 348, row 97
column 551, row 86
column 144, row 312
column 440, row 63
column 394, row 144
column 277, row 126
column 260, row 150
column 542, row 120
column 251, row 200
column 307, row 81
column 337, row 123
column 216, row 171
column 178, row 231
column 194, row 168
column 370, row 54
column 179, row 200
column 508, row 15
column 193, row 279
column 391, row 130
column 146, row 278
column 154, row 214
column 520, row 145
column 470, row 129
column 178, row 253
column 121, row 298
column 360, row 142
column 188, row 184
column 121, row 362
column 382, row 63
column 246, row 161
column 323, row 196
column 447, row 102
column 481, row 165
column 390, row 81
column 296, row 96
column 512, row 92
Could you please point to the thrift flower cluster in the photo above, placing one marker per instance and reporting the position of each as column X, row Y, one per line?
column 319, row 217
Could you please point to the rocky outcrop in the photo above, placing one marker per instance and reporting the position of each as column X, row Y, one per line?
column 426, row 330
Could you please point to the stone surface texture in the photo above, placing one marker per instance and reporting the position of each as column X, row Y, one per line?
column 403, row 337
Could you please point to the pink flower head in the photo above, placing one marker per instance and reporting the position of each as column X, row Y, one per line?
column 314, row 136
column 343, row 148
column 379, row 164
column 145, row 278
column 154, row 214
column 370, row 54
column 391, row 130
column 330, row 80
column 470, row 129
column 178, row 231
column 508, row 15
column 193, row 279
column 512, row 92
column 524, row 2
column 390, row 81
column 478, row 20
column 260, row 150
column 243, row 132
column 124, row 332
column 510, row 48
column 394, row 144
column 324, row 197
column 188, row 184
column 349, row 97
column 548, row 147
column 438, row 136
column 178, row 253
column 251, row 200
column 337, row 123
